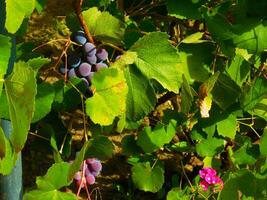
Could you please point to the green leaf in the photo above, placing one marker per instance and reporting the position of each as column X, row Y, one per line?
column 76, row 165
column 164, row 68
column 194, row 38
column 103, row 26
column 141, row 97
column 151, row 141
column 5, row 49
column 187, row 96
column 254, row 94
column 43, row 101
column 263, row 143
column 101, row 148
column 177, row 194
column 227, row 127
column 184, row 9
column 37, row 63
column 2, row 143
column 210, row 147
column 49, row 195
column 109, row 99
column 129, row 146
column 246, row 154
column 8, row 161
column 146, row 178
column 55, row 178
column 40, row 4
column 260, row 109
column 195, row 62
column 16, row 11
column 21, row 91
column 225, row 87
column 239, row 69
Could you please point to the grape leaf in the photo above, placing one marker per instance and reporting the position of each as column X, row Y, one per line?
column 151, row 140
column 263, row 143
column 48, row 195
column 177, row 194
column 101, row 148
column 55, row 178
column 37, row 63
column 21, row 91
column 225, row 87
column 187, row 96
column 98, row 22
column 5, row 49
column 239, row 69
column 210, row 146
column 254, row 94
column 43, row 101
column 141, row 97
column 109, row 99
column 146, row 178
column 16, row 11
column 227, row 127
column 184, row 9
column 164, row 68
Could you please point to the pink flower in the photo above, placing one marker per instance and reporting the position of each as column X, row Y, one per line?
column 209, row 178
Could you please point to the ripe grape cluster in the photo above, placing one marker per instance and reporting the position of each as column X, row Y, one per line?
column 85, row 60
column 90, row 168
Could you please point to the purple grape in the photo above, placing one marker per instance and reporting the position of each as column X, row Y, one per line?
column 80, row 38
column 90, row 76
column 90, row 49
column 91, row 59
column 78, row 175
column 85, row 69
column 63, row 70
column 102, row 54
column 86, row 83
column 90, row 179
column 100, row 65
column 80, row 182
column 73, row 60
column 71, row 73
column 96, row 166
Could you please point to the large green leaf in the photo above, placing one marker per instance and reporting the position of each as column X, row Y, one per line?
column 246, row 154
column 147, row 178
column 210, row 147
column 225, row 91
column 227, row 127
column 254, row 94
column 49, row 195
column 187, row 96
column 195, row 61
column 101, row 148
column 21, row 91
column 104, row 26
column 184, row 9
column 109, row 99
column 151, row 140
column 5, row 49
column 141, row 97
column 16, row 11
column 239, row 69
column 177, row 194
column 55, row 178
column 263, row 143
column 157, row 59
column 37, row 63
column 43, row 101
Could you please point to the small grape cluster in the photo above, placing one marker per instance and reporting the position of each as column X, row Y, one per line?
column 85, row 60
column 90, row 169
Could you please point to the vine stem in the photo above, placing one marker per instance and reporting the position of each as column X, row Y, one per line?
column 78, row 11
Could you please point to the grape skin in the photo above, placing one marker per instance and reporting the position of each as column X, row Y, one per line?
column 102, row 54
column 79, row 37
column 85, row 69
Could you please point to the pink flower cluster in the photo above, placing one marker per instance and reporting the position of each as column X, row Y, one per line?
column 209, row 178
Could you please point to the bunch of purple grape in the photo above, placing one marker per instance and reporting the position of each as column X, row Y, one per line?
column 85, row 60
column 90, row 168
